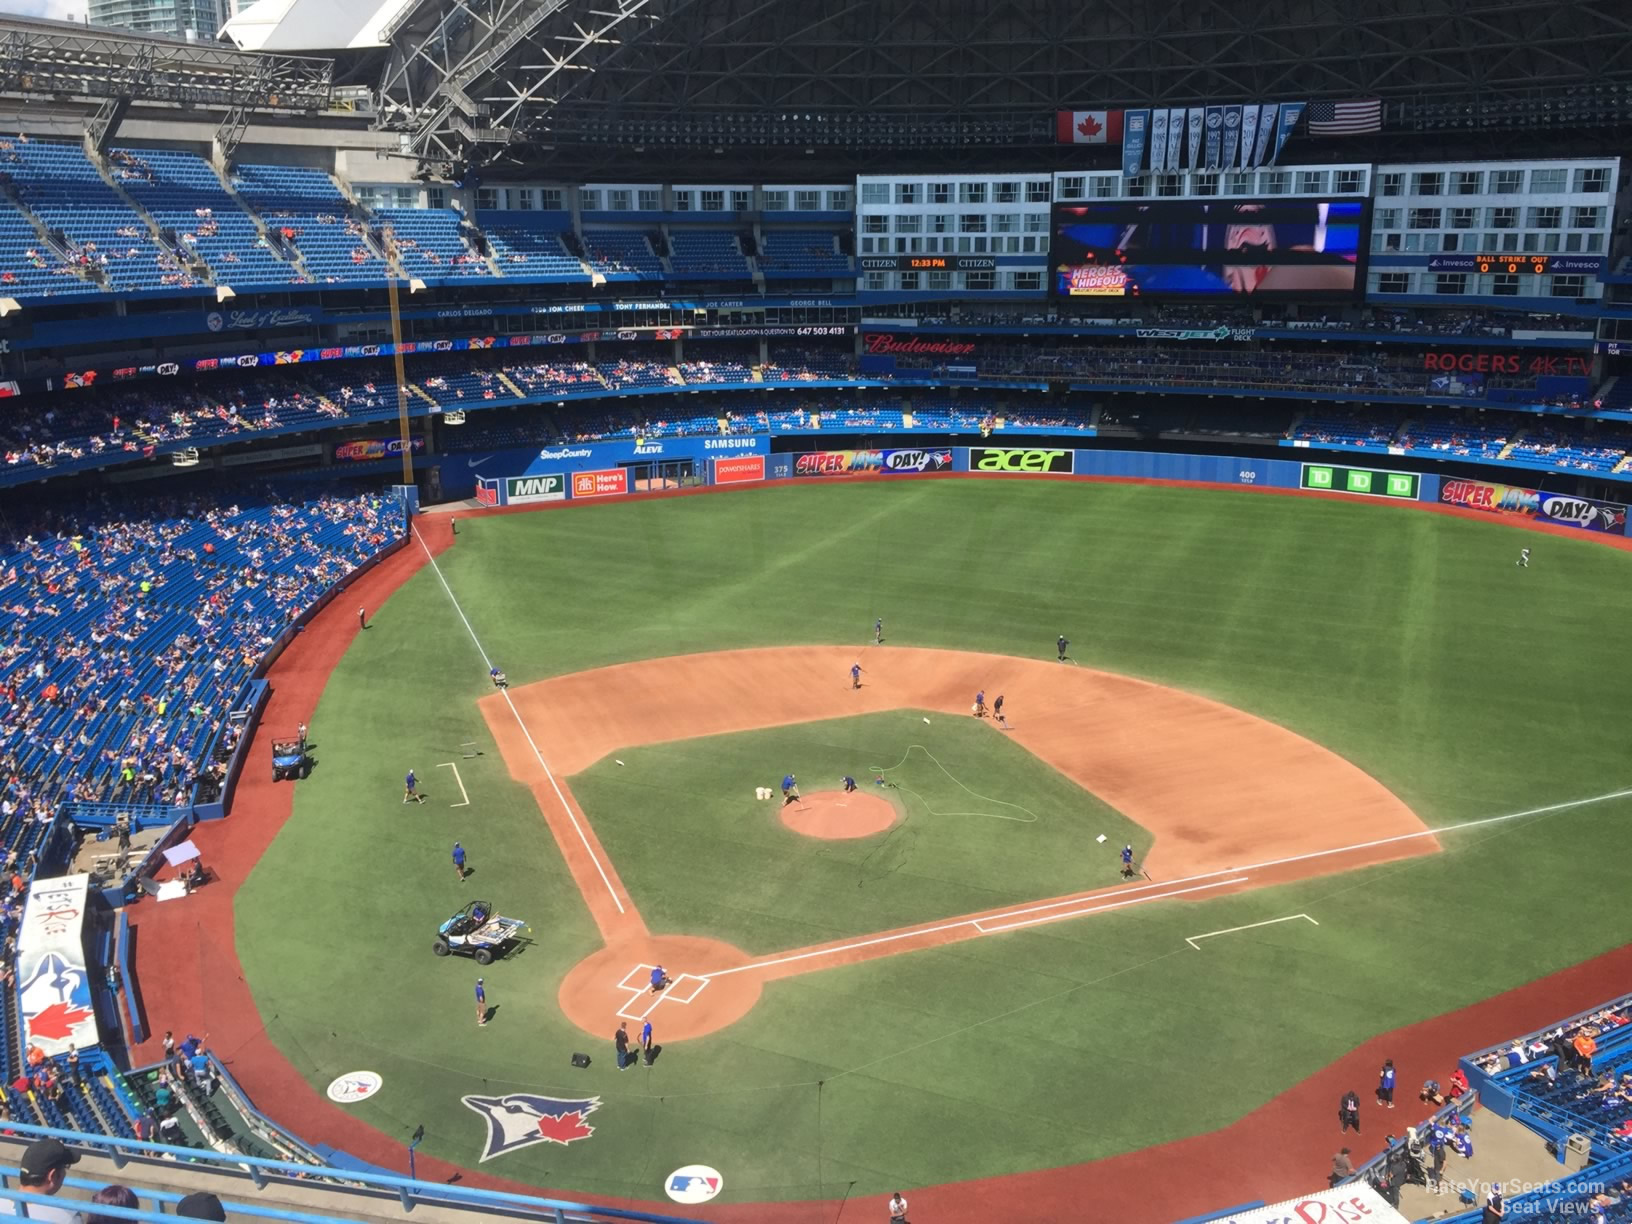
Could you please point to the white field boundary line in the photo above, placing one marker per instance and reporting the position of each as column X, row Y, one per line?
column 458, row 779
column 1191, row 940
column 531, row 743
column 973, row 924
column 1545, row 810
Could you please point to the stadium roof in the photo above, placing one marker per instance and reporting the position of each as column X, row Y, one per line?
column 313, row 25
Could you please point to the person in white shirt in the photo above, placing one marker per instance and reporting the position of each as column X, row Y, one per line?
column 898, row 1209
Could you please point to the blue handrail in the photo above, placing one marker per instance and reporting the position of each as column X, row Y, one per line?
column 261, row 1171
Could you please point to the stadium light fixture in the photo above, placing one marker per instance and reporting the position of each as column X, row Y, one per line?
column 224, row 293
column 9, row 306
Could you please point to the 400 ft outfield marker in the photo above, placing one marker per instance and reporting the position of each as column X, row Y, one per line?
column 694, row 1184
column 356, row 1086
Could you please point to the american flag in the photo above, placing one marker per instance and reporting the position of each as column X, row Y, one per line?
column 1345, row 118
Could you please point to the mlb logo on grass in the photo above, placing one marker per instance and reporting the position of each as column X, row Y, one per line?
column 694, row 1184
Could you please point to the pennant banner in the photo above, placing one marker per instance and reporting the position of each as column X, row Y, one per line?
column 1249, row 134
column 1135, row 131
column 1266, row 126
column 1215, row 136
column 1232, row 134
column 1196, row 115
column 1290, row 113
column 1175, row 138
column 1158, row 138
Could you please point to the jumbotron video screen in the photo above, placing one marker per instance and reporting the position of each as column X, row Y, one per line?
column 1198, row 248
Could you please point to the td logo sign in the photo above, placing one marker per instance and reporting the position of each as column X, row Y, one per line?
column 990, row 459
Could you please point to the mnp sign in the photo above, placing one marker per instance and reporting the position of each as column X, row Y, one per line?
column 1022, row 462
column 521, row 490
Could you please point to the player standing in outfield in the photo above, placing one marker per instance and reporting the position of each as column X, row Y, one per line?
column 481, row 1003
column 410, row 789
column 1127, row 862
column 459, row 861
column 997, row 711
column 362, row 618
column 1062, row 644
column 1524, row 558
column 855, row 675
column 878, row 632
column 980, row 704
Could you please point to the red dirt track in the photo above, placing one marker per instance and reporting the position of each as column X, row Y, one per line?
column 188, row 976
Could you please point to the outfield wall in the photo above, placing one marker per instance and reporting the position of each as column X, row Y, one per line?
column 600, row 470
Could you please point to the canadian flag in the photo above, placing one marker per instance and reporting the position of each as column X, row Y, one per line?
column 1088, row 127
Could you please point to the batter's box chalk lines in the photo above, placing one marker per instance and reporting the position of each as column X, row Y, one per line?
column 683, row 989
column 1192, row 940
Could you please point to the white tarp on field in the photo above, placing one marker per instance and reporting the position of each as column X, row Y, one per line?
column 1353, row 1204
column 52, row 986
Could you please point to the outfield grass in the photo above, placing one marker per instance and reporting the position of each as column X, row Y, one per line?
column 984, row 824
column 1408, row 642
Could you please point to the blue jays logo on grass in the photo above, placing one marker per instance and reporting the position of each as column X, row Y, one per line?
column 520, row 1120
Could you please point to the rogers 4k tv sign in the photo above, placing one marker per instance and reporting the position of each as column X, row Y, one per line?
column 1026, row 462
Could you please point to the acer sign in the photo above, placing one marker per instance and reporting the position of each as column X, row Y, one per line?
column 879, row 344
column 1021, row 462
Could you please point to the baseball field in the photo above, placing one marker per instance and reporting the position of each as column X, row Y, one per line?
column 1372, row 771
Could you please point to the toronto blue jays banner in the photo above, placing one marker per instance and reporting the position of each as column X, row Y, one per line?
column 1290, row 113
column 1135, row 131
column 1266, row 128
column 1215, row 137
column 1196, row 117
column 1232, row 134
column 1175, row 134
column 1158, row 138
column 53, row 988
column 1249, row 133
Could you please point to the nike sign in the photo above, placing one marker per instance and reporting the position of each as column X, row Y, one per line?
column 474, row 463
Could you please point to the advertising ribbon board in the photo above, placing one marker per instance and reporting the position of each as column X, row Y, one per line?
column 600, row 484
column 1362, row 482
column 545, row 487
column 739, row 469
column 1356, row 1203
column 1029, row 462
column 364, row 450
column 895, row 462
column 1563, row 508
column 53, row 988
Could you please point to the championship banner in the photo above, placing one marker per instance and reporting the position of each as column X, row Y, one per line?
column 1017, row 461
column 1135, row 131
column 600, row 484
column 1197, row 117
column 1158, row 139
column 1563, row 508
column 1249, row 134
column 1355, row 1203
column 53, row 989
column 1175, row 129
column 1215, row 136
column 1232, row 135
column 739, row 469
column 1266, row 126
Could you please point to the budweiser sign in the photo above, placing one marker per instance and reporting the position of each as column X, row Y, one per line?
column 903, row 346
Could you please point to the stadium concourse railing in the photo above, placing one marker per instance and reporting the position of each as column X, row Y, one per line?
column 369, row 1192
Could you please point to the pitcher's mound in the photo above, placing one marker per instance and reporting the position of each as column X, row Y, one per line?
column 837, row 816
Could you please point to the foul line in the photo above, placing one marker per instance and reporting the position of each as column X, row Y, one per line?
column 1196, row 883
column 974, row 924
column 1191, row 940
column 537, row 755
column 458, row 779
